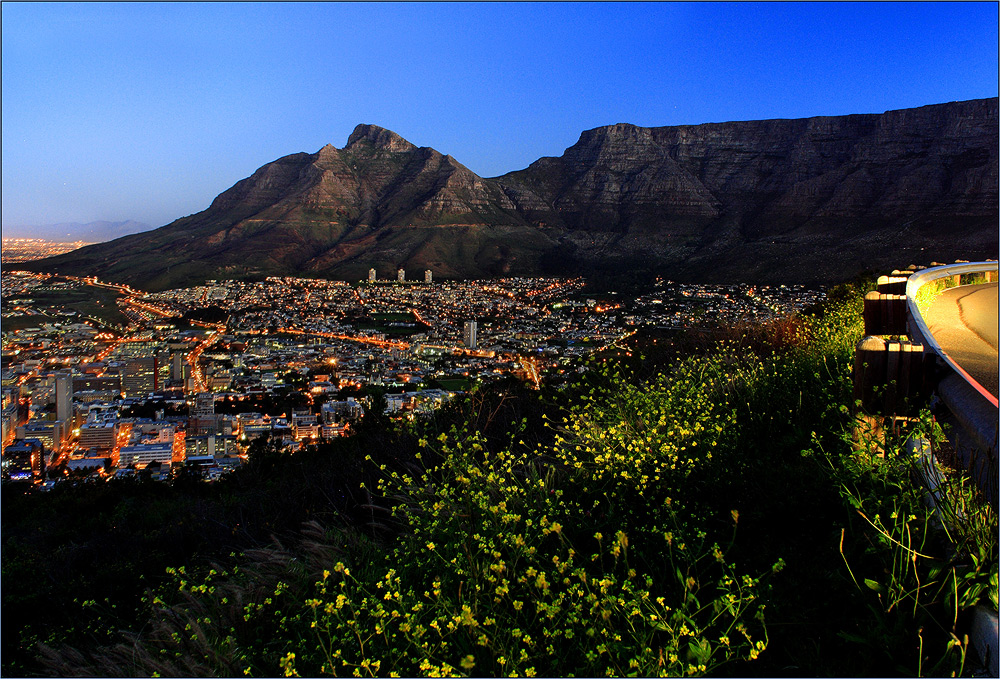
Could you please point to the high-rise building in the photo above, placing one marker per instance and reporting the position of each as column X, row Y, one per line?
column 163, row 367
column 177, row 366
column 92, row 383
column 470, row 334
column 64, row 395
column 204, row 404
column 401, row 274
column 428, row 276
column 371, row 275
column 141, row 376
column 203, row 421
column 101, row 428
column 64, row 401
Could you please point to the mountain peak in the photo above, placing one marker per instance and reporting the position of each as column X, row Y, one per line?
column 379, row 137
column 745, row 201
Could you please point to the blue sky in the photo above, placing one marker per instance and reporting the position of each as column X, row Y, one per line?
column 147, row 111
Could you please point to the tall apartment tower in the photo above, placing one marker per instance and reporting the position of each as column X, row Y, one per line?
column 140, row 376
column 401, row 275
column 470, row 334
column 428, row 276
column 371, row 275
column 177, row 366
column 64, row 403
column 64, row 395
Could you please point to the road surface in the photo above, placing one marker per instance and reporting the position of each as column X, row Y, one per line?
column 963, row 320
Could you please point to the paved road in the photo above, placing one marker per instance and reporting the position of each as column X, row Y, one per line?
column 963, row 320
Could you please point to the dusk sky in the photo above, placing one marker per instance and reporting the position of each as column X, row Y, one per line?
column 148, row 111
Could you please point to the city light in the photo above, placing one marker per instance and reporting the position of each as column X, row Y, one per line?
column 399, row 338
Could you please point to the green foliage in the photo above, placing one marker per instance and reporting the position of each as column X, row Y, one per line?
column 500, row 568
column 932, row 550
column 637, row 522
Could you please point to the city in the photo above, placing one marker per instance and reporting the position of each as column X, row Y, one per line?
column 102, row 381
column 26, row 249
column 590, row 339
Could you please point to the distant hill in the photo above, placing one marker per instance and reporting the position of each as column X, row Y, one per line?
column 807, row 200
column 91, row 232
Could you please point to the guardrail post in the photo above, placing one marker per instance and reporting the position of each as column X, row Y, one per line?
column 890, row 378
column 872, row 313
column 869, row 375
column 892, row 285
column 869, row 371
column 885, row 313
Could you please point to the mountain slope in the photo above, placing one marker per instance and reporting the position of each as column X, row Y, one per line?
column 808, row 198
column 815, row 199
column 379, row 201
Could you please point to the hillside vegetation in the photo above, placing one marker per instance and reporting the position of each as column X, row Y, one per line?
column 702, row 513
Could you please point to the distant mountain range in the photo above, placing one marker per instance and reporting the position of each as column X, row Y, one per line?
column 91, row 232
column 807, row 200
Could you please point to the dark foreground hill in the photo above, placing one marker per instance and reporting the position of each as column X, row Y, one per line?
column 807, row 200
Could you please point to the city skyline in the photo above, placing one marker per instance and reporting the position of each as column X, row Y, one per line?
column 146, row 112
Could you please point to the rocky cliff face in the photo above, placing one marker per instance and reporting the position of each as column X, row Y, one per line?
column 738, row 199
column 815, row 199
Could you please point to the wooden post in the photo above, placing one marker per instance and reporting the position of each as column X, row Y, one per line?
column 872, row 314
column 886, row 310
column 894, row 322
column 884, row 314
column 869, row 374
column 892, row 365
column 892, row 285
column 869, row 371
column 899, row 314
column 903, row 384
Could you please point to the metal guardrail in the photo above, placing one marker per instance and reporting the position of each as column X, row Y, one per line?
column 921, row 278
column 975, row 410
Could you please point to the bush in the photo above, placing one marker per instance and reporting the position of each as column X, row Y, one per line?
column 637, row 523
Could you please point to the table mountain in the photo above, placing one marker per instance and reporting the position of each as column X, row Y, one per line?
column 806, row 200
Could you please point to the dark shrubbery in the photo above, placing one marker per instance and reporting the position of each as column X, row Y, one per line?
column 707, row 514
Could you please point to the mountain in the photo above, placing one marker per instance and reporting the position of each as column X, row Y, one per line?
column 91, row 232
column 806, row 200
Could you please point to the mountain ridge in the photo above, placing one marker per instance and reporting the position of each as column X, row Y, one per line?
column 797, row 200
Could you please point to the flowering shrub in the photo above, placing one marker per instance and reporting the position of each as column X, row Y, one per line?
column 579, row 558
column 607, row 544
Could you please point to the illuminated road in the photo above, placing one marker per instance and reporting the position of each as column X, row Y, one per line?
column 963, row 320
column 351, row 338
column 200, row 385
